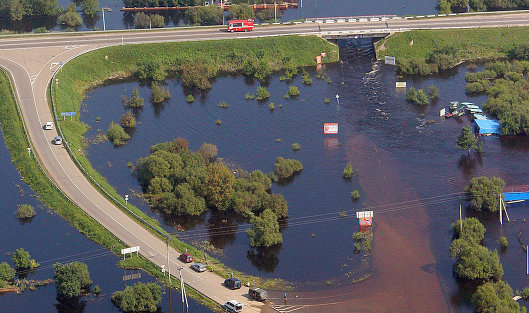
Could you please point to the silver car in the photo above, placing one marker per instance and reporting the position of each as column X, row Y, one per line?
column 198, row 267
column 57, row 140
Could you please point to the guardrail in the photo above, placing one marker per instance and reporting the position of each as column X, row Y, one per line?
column 80, row 166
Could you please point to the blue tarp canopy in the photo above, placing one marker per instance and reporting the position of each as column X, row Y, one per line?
column 486, row 127
column 514, row 196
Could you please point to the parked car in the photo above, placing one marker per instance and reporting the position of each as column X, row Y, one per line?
column 186, row 257
column 258, row 294
column 233, row 306
column 233, row 283
column 198, row 267
column 57, row 140
column 48, row 126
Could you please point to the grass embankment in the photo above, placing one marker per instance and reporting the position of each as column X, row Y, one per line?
column 92, row 69
column 460, row 44
column 48, row 194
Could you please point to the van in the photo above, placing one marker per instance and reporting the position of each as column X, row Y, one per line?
column 186, row 257
column 258, row 294
column 233, row 283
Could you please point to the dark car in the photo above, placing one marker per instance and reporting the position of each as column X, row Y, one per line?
column 258, row 294
column 186, row 257
column 233, row 283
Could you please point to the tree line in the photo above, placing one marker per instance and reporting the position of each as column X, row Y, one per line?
column 459, row 6
column 16, row 10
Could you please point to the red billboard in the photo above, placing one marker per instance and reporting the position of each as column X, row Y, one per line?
column 330, row 128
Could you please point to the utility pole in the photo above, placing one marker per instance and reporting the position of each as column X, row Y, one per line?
column 501, row 217
column 168, row 266
column 184, row 295
column 103, row 13
column 275, row 12
column 527, row 255
column 301, row 9
column 222, row 10
column 460, row 219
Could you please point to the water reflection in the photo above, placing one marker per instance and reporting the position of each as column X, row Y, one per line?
column 468, row 163
column 70, row 305
column 265, row 259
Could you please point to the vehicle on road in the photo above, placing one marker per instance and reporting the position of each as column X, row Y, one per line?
column 233, row 283
column 48, row 126
column 233, row 306
column 198, row 267
column 240, row 25
column 258, row 294
column 57, row 140
column 186, row 257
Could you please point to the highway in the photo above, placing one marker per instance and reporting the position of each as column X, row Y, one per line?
column 33, row 59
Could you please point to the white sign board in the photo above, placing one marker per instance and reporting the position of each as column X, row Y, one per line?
column 400, row 84
column 364, row 214
column 130, row 250
column 389, row 60
column 330, row 128
column 442, row 112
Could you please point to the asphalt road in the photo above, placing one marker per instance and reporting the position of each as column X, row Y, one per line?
column 32, row 60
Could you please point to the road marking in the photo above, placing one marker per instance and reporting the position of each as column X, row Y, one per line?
column 286, row 308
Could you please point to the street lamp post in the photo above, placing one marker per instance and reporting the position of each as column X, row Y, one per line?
column 103, row 9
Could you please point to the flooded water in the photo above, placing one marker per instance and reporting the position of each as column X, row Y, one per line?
column 50, row 239
column 311, row 8
column 410, row 174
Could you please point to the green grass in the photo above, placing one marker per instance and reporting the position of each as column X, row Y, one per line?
column 470, row 44
column 94, row 68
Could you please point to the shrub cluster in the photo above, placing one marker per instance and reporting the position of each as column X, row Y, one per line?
column 140, row 297
column 159, row 93
column 182, row 182
column 417, row 96
column 284, row 168
column 117, row 134
column 196, row 75
column 127, row 120
column 25, row 211
column 262, row 94
column 484, row 193
column 135, row 101
column 142, row 20
column 151, row 70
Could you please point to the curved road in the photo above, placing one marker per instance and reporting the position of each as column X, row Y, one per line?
column 32, row 60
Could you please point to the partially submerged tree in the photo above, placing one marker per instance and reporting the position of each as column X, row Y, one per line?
column 485, row 193
column 138, row 298
column 466, row 141
column 72, row 279
column 265, row 230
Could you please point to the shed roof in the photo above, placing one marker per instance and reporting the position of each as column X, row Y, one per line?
column 478, row 116
column 486, row 127
column 471, row 106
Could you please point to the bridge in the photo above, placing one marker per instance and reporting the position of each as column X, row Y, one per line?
column 32, row 61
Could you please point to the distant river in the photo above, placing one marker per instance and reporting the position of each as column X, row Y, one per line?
column 311, row 8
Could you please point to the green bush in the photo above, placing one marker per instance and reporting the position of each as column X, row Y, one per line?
column 477, row 87
column 157, row 21
column 223, row 105
column 25, row 211
column 195, row 76
column 413, row 66
column 262, row 94
column 433, row 92
column 190, row 98
column 495, row 297
column 135, row 100
column 284, row 168
column 327, row 101
column 96, row 290
column 159, row 93
column 117, row 135
column 140, row 297
column 296, row 146
column 503, row 242
column 7, row 273
column 265, row 230
column 293, row 91
column 525, row 293
column 417, row 96
column 71, row 19
column 347, row 171
column 40, row 30
column 473, row 230
column 306, row 79
column 22, row 259
column 127, row 120
column 271, row 106
column 151, row 70
column 72, row 279
column 355, row 195
column 218, row 122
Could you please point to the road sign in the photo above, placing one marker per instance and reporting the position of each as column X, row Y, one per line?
column 400, row 84
column 130, row 250
column 330, row 128
column 67, row 113
column 442, row 112
column 318, row 59
column 365, row 218
column 389, row 60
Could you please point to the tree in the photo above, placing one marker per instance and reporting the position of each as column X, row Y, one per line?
column 265, row 230
column 466, row 140
column 90, row 7
column 208, row 151
column 22, row 259
column 157, row 21
column 433, row 92
column 151, row 70
column 40, row 7
column 159, row 93
column 16, row 10
column 117, row 135
column 127, row 120
column 187, row 202
column 195, row 75
column 445, row 7
column 262, row 93
column 241, row 12
column 284, row 168
column 210, row 15
column 473, row 230
column 71, row 19
column 495, row 297
column 485, row 193
column 72, row 279
column 219, row 185
column 474, row 261
column 139, row 298
column 7, row 273
column 142, row 20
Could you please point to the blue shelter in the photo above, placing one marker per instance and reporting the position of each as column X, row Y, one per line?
column 487, row 127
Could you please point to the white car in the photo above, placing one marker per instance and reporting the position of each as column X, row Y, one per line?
column 48, row 126
column 233, row 306
column 57, row 140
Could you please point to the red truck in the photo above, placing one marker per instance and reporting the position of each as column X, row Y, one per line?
column 240, row 25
